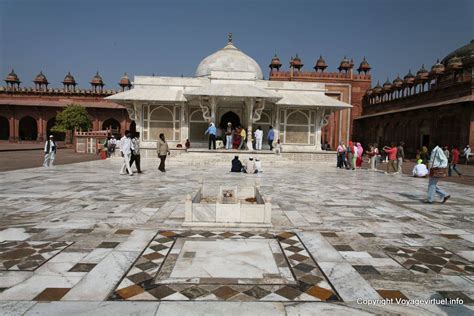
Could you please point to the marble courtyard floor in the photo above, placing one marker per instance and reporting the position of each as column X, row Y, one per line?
column 81, row 239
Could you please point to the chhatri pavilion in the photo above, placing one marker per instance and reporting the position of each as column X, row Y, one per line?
column 228, row 87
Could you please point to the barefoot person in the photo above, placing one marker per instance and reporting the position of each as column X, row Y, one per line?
column 163, row 150
column 49, row 152
column 438, row 166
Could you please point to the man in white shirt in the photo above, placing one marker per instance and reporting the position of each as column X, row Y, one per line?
column 467, row 153
column 136, row 152
column 258, row 165
column 126, row 148
column 49, row 152
column 420, row 170
column 258, row 138
column 249, row 166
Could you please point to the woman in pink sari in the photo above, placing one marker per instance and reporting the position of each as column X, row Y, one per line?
column 360, row 151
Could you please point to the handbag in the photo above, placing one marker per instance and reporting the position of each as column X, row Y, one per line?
column 438, row 172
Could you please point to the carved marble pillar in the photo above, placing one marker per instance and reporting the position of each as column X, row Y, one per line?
column 250, row 105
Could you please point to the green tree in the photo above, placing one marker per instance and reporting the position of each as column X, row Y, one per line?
column 73, row 117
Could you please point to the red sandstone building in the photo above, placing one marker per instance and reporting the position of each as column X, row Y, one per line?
column 436, row 104
column 28, row 114
column 343, row 85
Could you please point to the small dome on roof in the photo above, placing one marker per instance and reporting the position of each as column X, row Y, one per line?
column 369, row 92
column 409, row 79
column 437, row 69
column 296, row 62
column 41, row 78
column 397, row 83
column 125, row 81
column 364, row 66
column 12, row 77
column 422, row 74
column 97, row 80
column 320, row 64
column 275, row 63
column 345, row 64
column 377, row 89
column 387, row 86
column 69, row 79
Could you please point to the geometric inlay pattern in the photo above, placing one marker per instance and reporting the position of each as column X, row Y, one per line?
column 430, row 260
column 149, row 278
column 28, row 255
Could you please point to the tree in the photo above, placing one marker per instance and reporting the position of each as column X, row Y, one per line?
column 73, row 117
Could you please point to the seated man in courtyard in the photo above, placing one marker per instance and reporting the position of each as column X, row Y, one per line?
column 420, row 170
column 258, row 165
column 236, row 165
column 250, row 166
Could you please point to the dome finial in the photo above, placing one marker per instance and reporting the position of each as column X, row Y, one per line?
column 229, row 38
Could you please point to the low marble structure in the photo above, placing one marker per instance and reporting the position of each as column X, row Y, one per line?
column 230, row 206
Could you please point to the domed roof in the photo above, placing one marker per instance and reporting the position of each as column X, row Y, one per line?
column 437, row 69
column 387, row 86
column 397, row 82
column 69, row 79
column 296, row 62
column 377, row 89
column 275, row 63
column 462, row 52
column 364, row 66
column 229, row 58
column 125, row 81
column 97, row 80
column 41, row 78
column 12, row 77
column 320, row 63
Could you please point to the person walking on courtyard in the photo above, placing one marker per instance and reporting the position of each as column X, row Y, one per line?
column 126, row 148
column 243, row 138
column 136, row 152
column 270, row 137
column 212, row 131
column 49, row 152
column 162, row 150
column 446, row 152
column 258, row 138
column 341, row 155
column 236, row 165
column 420, row 170
column 360, row 151
column 392, row 159
column 400, row 156
column 467, row 153
column 454, row 161
column 228, row 136
column 112, row 145
column 371, row 155
column 438, row 166
column 350, row 156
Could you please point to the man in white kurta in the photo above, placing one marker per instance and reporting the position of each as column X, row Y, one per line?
column 258, row 138
column 49, row 152
column 126, row 148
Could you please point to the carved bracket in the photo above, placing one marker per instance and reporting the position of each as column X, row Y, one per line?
column 257, row 112
column 131, row 113
column 325, row 118
column 206, row 111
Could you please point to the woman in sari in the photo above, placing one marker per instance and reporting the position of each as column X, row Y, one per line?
column 236, row 138
column 360, row 151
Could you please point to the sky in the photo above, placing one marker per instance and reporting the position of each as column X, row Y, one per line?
column 170, row 38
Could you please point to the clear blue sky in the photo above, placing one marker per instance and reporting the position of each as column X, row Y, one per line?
column 169, row 38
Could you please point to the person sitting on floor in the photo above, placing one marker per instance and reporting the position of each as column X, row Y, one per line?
column 258, row 165
column 420, row 170
column 250, row 166
column 236, row 165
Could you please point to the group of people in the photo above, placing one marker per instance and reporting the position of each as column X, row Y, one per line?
column 250, row 166
column 130, row 151
column 238, row 138
column 441, row 162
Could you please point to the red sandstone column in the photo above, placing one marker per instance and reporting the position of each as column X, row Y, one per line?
column 11, row 122
column 471, row 131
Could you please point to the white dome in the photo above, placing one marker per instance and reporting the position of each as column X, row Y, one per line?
column 229, row 58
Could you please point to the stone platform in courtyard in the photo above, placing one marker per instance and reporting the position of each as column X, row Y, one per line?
column 81, row 238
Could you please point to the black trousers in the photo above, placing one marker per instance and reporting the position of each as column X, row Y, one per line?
column 270, row 143
column 136, row 159
column 212, row 140
column 162, row 163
